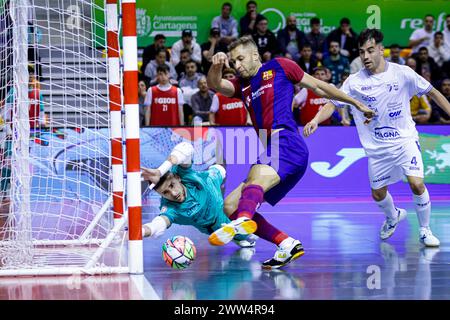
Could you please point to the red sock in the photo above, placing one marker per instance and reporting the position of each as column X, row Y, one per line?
column 251, row 198
column 267, row 231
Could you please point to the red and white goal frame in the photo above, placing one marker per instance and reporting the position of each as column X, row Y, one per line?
column 65, row 208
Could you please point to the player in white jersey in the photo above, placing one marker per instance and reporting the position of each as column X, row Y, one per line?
column 390, row 139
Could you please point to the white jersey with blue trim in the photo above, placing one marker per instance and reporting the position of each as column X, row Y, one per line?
column 388, row 94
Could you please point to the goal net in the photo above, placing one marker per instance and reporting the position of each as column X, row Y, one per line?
column 56, row 183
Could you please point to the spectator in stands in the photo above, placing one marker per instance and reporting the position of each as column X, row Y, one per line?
column 439, row 51
column 226, row 24
column 427, row 65
column 188, row 82
column 346, row 38
column 265, row 40
column 446, row 31
column 316, row 39
column 150, row 72
column 412, row 63
column 420, row 109
column 247, row 23
column 422, row 37
column 186, row 42
column 149, row 53
column 227, row 111
column 180, row 68
column 291, row 40
column 307, row 61
column 308, row 103
column 164, row 102
column 440, row 115
column 201, row 102
column 142, row 93
column 394, row 54
column 210, row 48
column 337, row 63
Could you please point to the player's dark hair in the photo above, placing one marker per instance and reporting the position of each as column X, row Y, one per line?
column 368, row 34
column 163, row 68
column 159, row 50
column 227, row 4
column 394, row 46
column 242, row 41
column 159, row 36
column 163, row 179
column 344, row 21
column 438, row 33
column 184, row 50
column 423, row 49
column 250, row 2
column 306, row 45
column 314, row 20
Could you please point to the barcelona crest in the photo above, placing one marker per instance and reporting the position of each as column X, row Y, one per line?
column 267, row 75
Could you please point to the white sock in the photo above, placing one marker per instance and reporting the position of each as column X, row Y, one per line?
column 387, row 205
column 286, row 242
column 423, row 209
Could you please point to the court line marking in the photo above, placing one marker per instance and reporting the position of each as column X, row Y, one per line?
column 144, row 287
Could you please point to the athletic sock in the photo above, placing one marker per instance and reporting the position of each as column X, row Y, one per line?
column 387, row 205
column 251, row 198
column 423, row 208
column 267, row 231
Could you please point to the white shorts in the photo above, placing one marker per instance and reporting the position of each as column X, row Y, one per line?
column 393, row 166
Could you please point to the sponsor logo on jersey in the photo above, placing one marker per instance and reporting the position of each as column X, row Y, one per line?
column 395, row 114
column 381, row 179
column 369, row 98
column 260, row 91
column 232, row 105
column 392, row 86
column 366, row 88
column 267, row 75
column 387, row 133
column 318, row 101
column 165, row 100
column 414, row 168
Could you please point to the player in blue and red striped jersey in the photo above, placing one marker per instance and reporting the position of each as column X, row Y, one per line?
column 268, row 90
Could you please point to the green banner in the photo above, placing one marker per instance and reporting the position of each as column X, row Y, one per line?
column 396, row 18
column 436, row 158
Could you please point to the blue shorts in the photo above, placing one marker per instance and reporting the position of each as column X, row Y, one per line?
column 288, row 154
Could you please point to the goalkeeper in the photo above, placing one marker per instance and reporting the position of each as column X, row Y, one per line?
column 190, row 197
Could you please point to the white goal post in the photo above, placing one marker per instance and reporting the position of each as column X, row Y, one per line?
column 70, row 182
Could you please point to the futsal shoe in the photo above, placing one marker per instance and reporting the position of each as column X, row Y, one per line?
column 389, row 225
column 428, row 239
column 246, row 241
column 226, row 233
column 284, row 255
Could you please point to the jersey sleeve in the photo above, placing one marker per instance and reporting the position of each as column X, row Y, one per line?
column 167, row 211
column 292, row 70
column 416, row 84
column 300, row 98
column 148, row 97
column 237, row 88
column 215, row 104
column 180, row 96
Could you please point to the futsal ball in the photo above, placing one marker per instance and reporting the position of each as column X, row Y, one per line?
column 179, row 252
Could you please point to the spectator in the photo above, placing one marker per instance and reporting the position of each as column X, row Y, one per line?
column 142, row 93
column 438, row 114
column 186, row 42
column 336, row 63
column 316, row 39
column 247, row 22
column 291, row 40
column 420, row 109
column 307, row 61
column 160, row 59
column 394, row 54
column 307, row 103
column 356, row 65
column 438, row 49
column 422, row 37
column 227, row 111
column 149, row 53
column 201, row 102
column 346, row 38
column 188, row 82
column 36, row 110
column 185, row 56
column 226, row 24
column 426, row 65
column 446, row 31
column 265, row 40
column 210, row 48
column 164, row 102
column 412, row 63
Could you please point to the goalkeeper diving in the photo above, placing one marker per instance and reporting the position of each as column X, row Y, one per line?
column 190, row 197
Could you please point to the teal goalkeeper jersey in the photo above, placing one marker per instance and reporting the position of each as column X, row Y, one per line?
column 203, row 206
